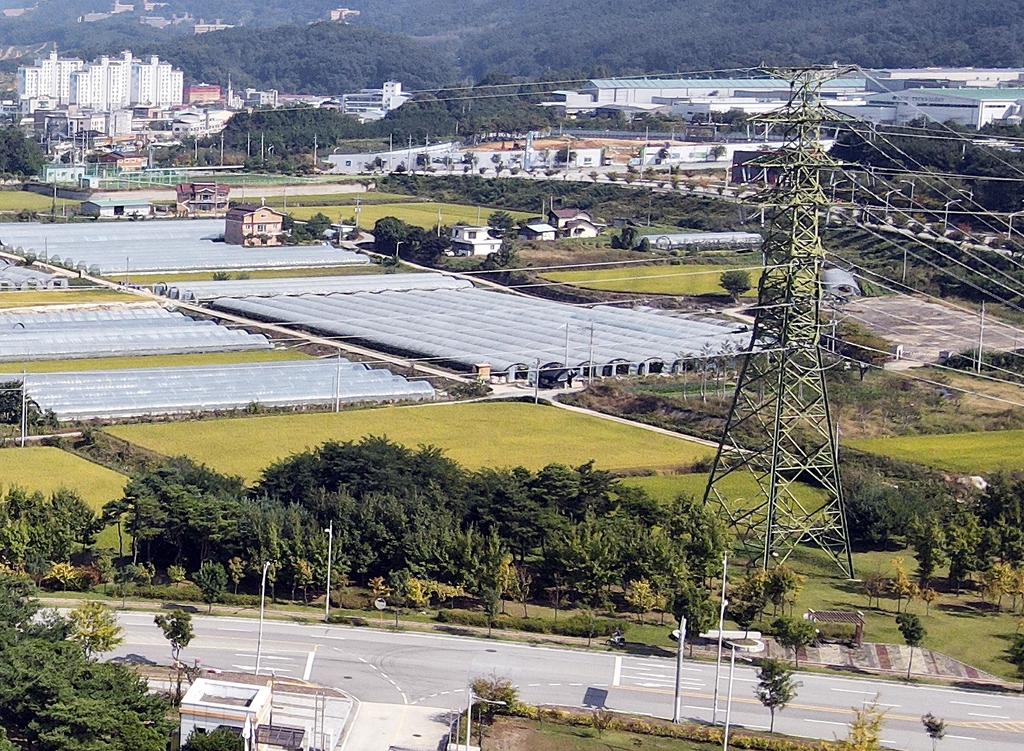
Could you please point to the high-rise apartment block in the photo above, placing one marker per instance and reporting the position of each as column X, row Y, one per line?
column 50, row 77
column 105, row 84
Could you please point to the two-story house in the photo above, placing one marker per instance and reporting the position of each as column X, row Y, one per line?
column 474, row 241
column 253, row 226
column 202, row 199
column 573, row 223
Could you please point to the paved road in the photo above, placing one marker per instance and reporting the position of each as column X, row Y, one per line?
column 434, row 670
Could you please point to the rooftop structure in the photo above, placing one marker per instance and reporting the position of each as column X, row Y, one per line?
column 373, row 104
column 973, row 107
column 159, row 246
column 704, row 240
column 136, row 392
column 472, row 326
column 202, row 199
column 64, row 335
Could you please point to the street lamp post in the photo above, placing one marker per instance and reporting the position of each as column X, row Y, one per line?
column 912, row 185
column 721, row 625
column 677, row 712
column 263, row 597
column 888, row 206
column 330, row 551
column 728, row 703
column 945, row 215
column 469, row 714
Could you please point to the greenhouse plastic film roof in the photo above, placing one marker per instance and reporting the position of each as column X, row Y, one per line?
column 13, row 276
column 155, row 246
column 471, row 326
column 88, row 395
column 322, row 285
column 115, row 332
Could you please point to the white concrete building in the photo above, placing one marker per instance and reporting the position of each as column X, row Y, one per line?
column 374, row 104
column 474, row 241
column 388, row 161
column 156, row 84
column 898, row 79
column 50, row 77
column 200, row 122
column 104, row 84
column 973, row 107
column 208, row 705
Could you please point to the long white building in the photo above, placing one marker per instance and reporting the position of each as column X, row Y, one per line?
column 105, row 84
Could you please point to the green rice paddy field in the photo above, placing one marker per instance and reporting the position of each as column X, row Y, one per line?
column 16, row 200
column 662, row 280
column 152, row 361
column 477, row 435
column 970, row 453
column 423, row 214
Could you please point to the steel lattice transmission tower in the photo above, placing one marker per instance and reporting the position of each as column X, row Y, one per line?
column 779, row 427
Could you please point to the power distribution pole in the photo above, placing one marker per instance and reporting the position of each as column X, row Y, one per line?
column 780, row 427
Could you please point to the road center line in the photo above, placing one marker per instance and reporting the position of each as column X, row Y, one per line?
column 971, row 704
column 989, row 716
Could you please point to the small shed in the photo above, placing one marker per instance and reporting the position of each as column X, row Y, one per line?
column 855, row 618
column 113, row 208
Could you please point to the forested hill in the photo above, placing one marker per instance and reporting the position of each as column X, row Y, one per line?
column 320, row 59
column 531, row 37
column 534, row 38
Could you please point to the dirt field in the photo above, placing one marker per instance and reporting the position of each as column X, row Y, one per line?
column 925, row 328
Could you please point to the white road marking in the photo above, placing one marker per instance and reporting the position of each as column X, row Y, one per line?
column 702, row 709
column 962, row 737
column 852, row 691
column 617, row 673
column 989, row 716
column 970, row 704
column 575, row 684
column 881, row 704
column 236, row 630
column 531, row 685
column 266, row 657
column 826, row 722
column 309, row 666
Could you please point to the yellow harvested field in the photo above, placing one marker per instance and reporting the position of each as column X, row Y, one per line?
column 477, row 435
column 70, row 296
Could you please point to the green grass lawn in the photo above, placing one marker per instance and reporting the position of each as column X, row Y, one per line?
column 665, row 280
column 518, row 734
column 338, row 199
column 16, row 200
column 70, row 296
column 153, row 361
column 970, row 453
column 477, row 435
column 423, row 214
column 47, row 469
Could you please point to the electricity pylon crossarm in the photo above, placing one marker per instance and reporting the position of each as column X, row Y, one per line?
column 779, row 428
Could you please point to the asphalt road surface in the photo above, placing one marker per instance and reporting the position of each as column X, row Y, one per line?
column 434, row 670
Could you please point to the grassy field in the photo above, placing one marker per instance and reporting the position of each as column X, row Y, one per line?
column 338, row 199
column 152, row 361
column 70, row 296
column 207, row 276
column 957, row 452
column 47, row 469
column 478, row 435
column 417, row 214
column 737, row 486
column 664, row 280
column 16, row 200
column 517, row 734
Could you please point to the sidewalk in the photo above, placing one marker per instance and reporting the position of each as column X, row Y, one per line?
column 383, row 727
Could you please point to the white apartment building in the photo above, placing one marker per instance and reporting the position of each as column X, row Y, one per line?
column 50, row 77
column 373, row 104
column 105, row 84
column 156, row 84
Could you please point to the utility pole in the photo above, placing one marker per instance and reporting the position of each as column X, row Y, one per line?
column 677, row 715
column 330, row 552
column 316, row 144
column 981, row 339
column 780, row 428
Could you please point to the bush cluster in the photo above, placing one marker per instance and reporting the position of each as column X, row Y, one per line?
column 575, row 625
